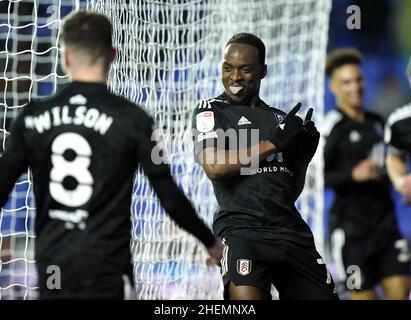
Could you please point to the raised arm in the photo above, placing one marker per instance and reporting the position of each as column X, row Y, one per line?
column 220, row 163
column 306, row 145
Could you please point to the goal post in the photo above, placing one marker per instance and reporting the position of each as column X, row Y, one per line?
column 169, row 58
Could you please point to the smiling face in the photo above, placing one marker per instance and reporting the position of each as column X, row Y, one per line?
column 347, row 83
column 242, row 72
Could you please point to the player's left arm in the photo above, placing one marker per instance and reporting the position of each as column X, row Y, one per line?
column 306, row 145
column 307, row 140
column 13, row 161
column 300, row 171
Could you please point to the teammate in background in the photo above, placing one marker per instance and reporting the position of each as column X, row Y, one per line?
column 398, row 137
column 364, row 233
column 266, row 240
column 83, row 146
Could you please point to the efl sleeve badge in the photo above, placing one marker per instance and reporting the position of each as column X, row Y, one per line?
column 205, row 121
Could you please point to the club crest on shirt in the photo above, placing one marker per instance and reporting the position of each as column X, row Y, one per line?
column 279, row 118
column 205, row 121
column 243, row 266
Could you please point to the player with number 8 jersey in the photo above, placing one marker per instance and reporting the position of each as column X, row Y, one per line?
column 83, row 146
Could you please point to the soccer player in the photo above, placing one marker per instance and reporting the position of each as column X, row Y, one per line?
column 365, row 241
column 257, row 180
column 398, row 137
column 83, row 146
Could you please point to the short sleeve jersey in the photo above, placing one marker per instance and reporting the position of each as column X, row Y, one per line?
column 257, row 203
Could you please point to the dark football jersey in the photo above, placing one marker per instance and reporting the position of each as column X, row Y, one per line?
column 259, row 202
column 398, row 130
column 366, row 207
column 83, row 146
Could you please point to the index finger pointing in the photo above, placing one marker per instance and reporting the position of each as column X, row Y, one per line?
column 294, row 110
column 309, row 115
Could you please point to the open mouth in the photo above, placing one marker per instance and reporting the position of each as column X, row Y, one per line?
column 236, row 89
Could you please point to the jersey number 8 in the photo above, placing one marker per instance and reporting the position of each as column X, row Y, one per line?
column 77, row 168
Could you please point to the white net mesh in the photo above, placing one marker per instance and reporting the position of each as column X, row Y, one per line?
column 169, row 57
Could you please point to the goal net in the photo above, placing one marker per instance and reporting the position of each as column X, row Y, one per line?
column 169, row 58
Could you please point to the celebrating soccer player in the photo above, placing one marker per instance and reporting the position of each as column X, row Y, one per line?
column 256, row 157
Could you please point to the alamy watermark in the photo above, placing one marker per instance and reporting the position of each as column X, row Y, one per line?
column 227, row 147
column 54, row 279
column 354, row 278
column 354, row 20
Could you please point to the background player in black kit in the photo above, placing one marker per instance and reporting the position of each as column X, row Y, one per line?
column 363, row 225
column 83, row 146
column 398, row 137
column 266, row 240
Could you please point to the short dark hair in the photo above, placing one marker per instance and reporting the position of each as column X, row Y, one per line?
column 251, row 40
column 340, row 57
column 89, row 31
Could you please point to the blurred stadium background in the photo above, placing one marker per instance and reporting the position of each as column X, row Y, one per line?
column 162, row 259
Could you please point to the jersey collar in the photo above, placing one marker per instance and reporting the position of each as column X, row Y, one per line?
column 225, row 97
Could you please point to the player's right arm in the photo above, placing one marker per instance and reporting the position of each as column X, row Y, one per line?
column 336, row 175
column 13, row 161
column 219, row 163
column 172, row 198
column 306, row 146
column 182, row 212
